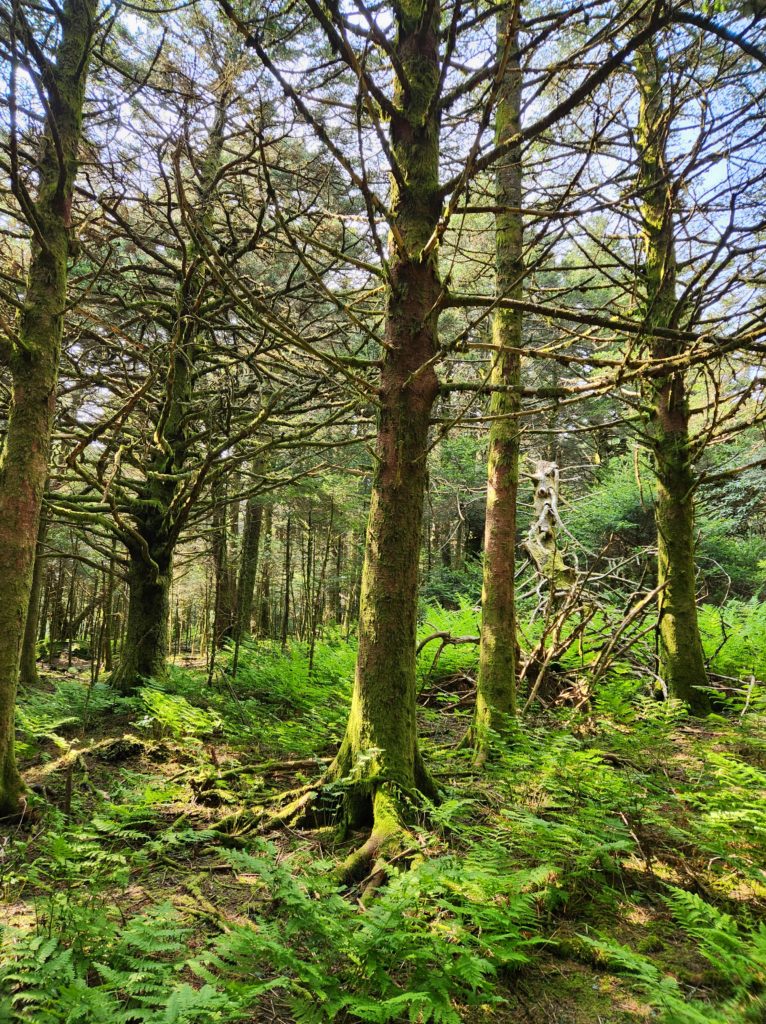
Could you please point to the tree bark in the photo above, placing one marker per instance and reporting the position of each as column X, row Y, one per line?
column 288, row 580
column 224, row 617
column 57, row 613
column 34, row 363
column 380, row 747
column 542, row 543
column 28, row 675
column 107, row 638
column 681, row 657
column 263, row 604
column 248, row 566
column 144, row 653
column 496, row 685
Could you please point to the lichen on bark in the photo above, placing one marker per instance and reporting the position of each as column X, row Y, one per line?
column 379, row 766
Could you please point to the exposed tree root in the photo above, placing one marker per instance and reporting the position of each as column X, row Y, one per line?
column 479, row 745
column 347, row 804
column 293, row 810
column 24, row 815
column 481, row 752
column 300, row 811
column 389, row 840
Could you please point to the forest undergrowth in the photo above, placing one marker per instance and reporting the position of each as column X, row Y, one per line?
column 606, row 866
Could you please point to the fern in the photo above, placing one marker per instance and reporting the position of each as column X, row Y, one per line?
column 436, row 935
column 55, row 980
column 173, row 715
column 737, row 954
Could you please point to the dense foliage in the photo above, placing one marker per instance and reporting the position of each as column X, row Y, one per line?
column 613, row 855
column 382, row 519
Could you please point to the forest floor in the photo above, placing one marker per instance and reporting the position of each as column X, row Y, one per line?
column 586, row 878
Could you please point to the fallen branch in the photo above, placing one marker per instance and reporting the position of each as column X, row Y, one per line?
column 446, row 639
column 37, row 776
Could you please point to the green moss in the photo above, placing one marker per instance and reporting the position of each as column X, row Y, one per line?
column 34, row 366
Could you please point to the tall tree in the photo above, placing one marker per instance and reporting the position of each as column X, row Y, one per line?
column 382, row 729
column 158, row 512
column 496, row 684
column 681, row 658
column 402, row 126
column 33, row 356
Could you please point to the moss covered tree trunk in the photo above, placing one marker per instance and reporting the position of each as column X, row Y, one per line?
column 496, row 687
column 380, row 748
column 681, row 658
column 145, row 650
column 34, row 360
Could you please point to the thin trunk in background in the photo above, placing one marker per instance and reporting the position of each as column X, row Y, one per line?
column 288, row 580
column 28, row 675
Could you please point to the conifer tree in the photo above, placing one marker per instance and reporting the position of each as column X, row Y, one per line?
column 33, row 355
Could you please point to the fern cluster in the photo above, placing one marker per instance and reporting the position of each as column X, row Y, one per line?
column 586, row 814
column 434, row 939
column 736, row 953
column 170, row 714
column 112, row 974
column 71, row 704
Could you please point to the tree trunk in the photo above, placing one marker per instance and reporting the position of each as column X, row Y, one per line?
column 34, row 362
column 57, row 614
column 224, row 616
column 353, row 580
column 288, row 578
column 336, row 599
column 496, row 686
column 382, row 720
column 264, row 584
column 70, row 613
column 248, row 566
column 144, row 653
column 42, row 627
column 106, row 639
column 380, row 748
column 681, row 658
column 28, row 666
